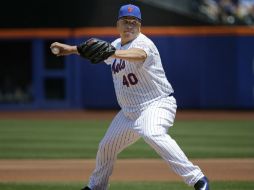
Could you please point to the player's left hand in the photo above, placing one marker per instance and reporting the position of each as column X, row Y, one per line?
column 96, row 50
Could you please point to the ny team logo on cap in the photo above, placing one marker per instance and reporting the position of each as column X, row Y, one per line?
column 130, row 9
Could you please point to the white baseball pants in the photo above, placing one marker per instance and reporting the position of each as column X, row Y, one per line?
column 152, row 125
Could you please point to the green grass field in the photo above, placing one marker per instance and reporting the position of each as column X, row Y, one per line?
column 79, row 139
column 35, row 139
column 128, row 186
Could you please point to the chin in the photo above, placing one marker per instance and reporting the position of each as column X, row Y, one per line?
column 129, row 36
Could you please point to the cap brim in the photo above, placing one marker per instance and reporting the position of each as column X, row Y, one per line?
column 131, row 17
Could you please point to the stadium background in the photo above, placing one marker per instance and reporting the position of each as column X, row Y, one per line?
column 208, row 59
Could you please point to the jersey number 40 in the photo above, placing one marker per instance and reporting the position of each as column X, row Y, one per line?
column 130, row 79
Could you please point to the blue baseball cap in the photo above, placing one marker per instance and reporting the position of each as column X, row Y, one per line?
column 129, row 10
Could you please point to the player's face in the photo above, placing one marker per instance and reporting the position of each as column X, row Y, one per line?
column 129, row 28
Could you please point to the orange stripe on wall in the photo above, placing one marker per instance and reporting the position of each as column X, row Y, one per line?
column 95, row 31
column 111, row 31
column 35, row 33
column 198, row 31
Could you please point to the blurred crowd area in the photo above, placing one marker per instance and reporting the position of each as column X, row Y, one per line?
column 228, row 12
column 12, row 91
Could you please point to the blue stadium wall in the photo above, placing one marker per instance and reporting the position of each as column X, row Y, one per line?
column 206, row 72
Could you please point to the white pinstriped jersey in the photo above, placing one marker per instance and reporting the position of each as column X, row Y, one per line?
column 147, row 111
column 139, row 84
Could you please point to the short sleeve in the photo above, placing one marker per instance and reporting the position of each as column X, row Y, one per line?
column 144, row 46
column 148, row 47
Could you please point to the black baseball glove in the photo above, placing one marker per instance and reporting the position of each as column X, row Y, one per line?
column 96, row 50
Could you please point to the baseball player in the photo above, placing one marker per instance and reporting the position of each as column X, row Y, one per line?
column 145, row 96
